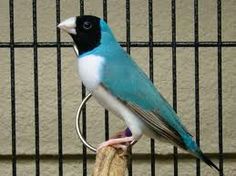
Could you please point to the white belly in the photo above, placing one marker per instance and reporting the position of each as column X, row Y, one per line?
column 90, row 68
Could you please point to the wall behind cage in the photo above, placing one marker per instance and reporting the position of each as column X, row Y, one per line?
column 71, row 94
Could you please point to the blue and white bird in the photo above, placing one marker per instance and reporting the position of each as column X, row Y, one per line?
column 119, row 85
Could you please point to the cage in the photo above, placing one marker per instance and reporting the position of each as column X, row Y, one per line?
column 186, row 47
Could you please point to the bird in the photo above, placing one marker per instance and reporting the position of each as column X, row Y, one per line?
column 110, row 74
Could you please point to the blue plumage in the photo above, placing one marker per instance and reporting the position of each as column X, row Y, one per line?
column 125, row 80
column 128, row 85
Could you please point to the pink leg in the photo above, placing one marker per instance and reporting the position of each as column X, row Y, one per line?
column 117, row 143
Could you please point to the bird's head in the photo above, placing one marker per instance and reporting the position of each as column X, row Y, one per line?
column 88, row 32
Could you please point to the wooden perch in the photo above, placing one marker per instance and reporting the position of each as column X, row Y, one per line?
column 110, row 162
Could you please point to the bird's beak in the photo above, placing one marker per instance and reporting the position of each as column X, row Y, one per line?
column 68, row 25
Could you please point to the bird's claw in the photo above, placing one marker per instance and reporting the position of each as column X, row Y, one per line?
column 122, row 143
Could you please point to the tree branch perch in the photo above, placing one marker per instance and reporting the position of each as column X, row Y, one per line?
column 110, row 162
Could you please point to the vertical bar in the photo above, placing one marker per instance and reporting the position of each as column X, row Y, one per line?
column 81, row 7
column 36, row 98
column 84, row 119
column 13, row 104
column 197, row 99
column 220, row 106
column 173, row 18
column 105, row 10
column 84, row 131
column 128, row 51
column 59, row 93
column 150, row 26
column 128, row 26
column 106, row 111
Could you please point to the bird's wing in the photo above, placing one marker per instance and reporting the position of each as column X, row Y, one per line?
column 158, row 125
column 126, row 81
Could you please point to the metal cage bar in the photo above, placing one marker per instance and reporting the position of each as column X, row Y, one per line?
column 59, row 91
column 220, row 106
column 178, row 44
column 150, row 28
column 174, row 76
column 128, row 49
column 84, row 115
column 36, row 87
column 106, row 111
column 197, row 97
column 13, row 96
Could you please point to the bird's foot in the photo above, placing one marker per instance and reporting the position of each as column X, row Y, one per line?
column 122, row 143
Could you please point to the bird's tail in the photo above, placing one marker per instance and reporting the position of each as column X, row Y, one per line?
column 196, row 151
column 204, row 158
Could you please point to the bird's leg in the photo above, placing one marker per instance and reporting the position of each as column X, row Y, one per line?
column 117, row 143
column 121, row 140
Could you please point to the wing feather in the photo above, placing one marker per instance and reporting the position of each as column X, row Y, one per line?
column 156, row 123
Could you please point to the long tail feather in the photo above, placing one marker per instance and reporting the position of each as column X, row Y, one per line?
column 193, row 148
column 204, row 158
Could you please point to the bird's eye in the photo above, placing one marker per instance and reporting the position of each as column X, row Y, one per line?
column 87, row 25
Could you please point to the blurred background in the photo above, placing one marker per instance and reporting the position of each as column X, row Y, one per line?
column 187, row 48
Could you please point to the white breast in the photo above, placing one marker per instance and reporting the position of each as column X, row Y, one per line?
column 90, row 67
